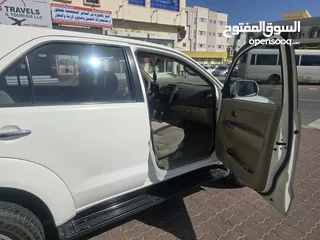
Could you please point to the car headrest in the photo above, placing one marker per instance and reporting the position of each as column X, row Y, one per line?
column 86, row 79
column 107, row 83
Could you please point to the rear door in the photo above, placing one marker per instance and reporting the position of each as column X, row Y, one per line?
column 258, row 131
column 76, row 106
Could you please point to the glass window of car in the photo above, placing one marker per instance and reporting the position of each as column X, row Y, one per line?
column 14, row 85
column 310, row 60
column 265, row 74
column 63, row 72
column 266, row 59
column 168, row 70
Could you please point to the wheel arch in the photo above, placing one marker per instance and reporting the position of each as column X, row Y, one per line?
column 21, row 179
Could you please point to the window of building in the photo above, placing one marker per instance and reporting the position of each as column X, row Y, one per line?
column 314, row 32
column 71, row 73
column 209, row 46
column 212, row 46
column 202, row 33
column 220, row 46
column 184, row 44
column 211, row 21
column 310, row 60
column 213, row 34
column 209, row 33
column 214, row 21
column 90, row 2
column 220, row 34
column 222, row 22
column 201, row 45
column 138, row 2
column 172, row 5
column 266, row 59
column 203, row 20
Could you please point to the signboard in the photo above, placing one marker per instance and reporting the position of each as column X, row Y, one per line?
column 86, row 17
column 34, row 13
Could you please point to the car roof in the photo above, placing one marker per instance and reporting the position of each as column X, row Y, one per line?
column 13, row 36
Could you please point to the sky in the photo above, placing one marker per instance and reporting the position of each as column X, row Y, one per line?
column 252, row 11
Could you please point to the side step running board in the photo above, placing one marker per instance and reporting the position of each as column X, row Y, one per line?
column 117, row 209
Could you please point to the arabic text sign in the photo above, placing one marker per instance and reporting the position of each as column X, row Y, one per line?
column 80, row 16
column 34, row 13
column 267, row 29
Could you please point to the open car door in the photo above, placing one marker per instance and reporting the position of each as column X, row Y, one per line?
column 258, row 132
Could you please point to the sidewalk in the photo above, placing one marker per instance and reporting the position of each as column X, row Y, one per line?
column 218, row 212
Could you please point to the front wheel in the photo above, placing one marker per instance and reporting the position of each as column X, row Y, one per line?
column 274, row 79
column 18, row 223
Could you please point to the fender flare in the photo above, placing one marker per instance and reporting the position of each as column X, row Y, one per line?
column 41, row 182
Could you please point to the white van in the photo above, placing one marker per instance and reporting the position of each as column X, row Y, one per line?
column 265, row 65
column 91, row 133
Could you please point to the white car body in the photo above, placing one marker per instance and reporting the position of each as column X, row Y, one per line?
column 78, row 156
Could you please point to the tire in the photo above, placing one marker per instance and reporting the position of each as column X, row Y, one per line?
column 274, row 79
column 18, row 223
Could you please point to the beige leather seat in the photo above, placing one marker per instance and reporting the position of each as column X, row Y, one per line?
column 167, row 138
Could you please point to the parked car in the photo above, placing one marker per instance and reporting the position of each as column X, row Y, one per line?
column 95, row 128
column 221, row 71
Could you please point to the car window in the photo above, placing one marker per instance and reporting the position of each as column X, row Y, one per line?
column 265, row 71
column 168, row 70
column 14, row 85
column 63, row 72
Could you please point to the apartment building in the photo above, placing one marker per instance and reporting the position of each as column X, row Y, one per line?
column 158, row 21
column 204, row 40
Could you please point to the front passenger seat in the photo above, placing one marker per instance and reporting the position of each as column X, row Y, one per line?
column 167, row 138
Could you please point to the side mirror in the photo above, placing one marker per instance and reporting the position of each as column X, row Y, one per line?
column 245, row 88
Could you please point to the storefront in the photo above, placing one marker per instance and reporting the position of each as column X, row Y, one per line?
column 31, row 13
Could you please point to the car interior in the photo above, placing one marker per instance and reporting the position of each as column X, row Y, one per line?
column 181, row 112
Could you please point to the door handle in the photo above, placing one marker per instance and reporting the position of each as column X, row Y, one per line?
column 234, row 113
column 21, row 133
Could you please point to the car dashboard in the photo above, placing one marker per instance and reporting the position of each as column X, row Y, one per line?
column 189, row 102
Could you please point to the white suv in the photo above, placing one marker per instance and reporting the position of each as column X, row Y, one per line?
column 94, row 129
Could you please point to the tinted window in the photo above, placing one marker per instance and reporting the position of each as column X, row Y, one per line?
column 79, row 73
column 266, row 59
column 310, row 60
column 14, row 85
column 253, row 59
column 297, row 59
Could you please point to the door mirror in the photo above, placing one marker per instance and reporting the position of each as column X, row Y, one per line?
column 245, row 88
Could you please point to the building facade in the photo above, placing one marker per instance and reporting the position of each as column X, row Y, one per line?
column 204, row 40
column 149, row 20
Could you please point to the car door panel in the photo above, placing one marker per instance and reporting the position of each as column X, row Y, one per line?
column 246, row 135
column 257, row 137
column 91, row 145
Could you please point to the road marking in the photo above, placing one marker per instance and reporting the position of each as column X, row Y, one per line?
column 315, row 124
column 277, row 88
column 307, row 127
column 313, row 88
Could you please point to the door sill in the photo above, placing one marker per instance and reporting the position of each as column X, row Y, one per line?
column 114, row 210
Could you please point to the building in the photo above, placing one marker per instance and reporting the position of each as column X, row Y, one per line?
column 204, row 40
column 149, row 20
